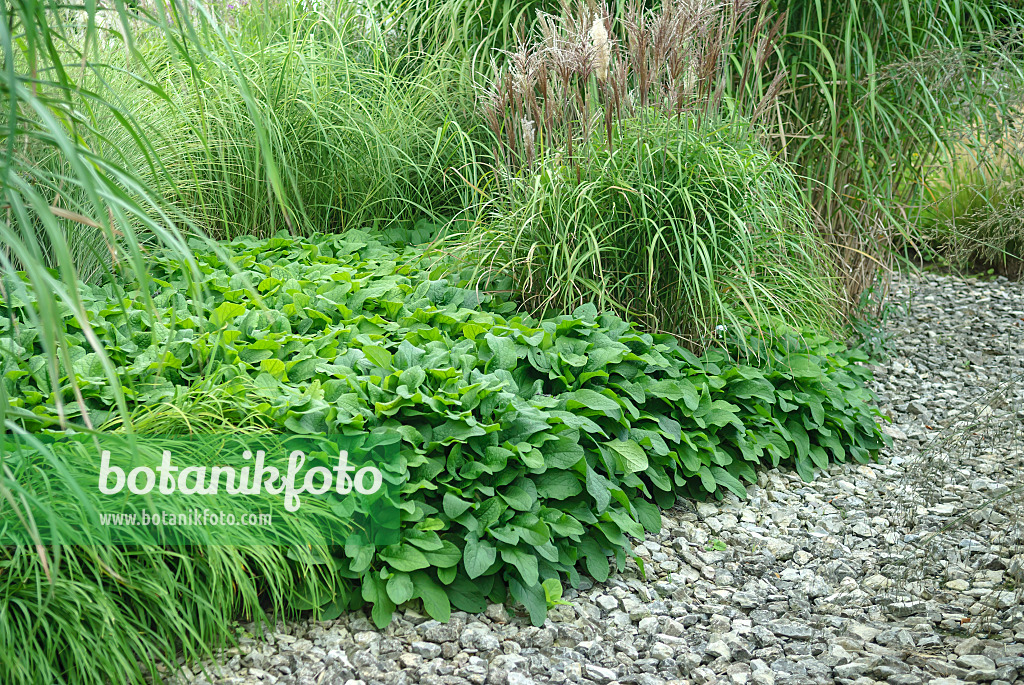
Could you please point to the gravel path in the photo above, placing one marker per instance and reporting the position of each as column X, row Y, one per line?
column 854, row 578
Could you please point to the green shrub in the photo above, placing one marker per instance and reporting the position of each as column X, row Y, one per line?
column 534, row 448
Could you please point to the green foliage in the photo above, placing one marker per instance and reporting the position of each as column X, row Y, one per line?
column 79, row 614
column 864, row 97
column 115, row 149
column 973, row 215
column 626, row 180
column 472, row 31
column 677, row 225
column 715, row 545
column 533, row 449
column 271, row 118
column 876, row 94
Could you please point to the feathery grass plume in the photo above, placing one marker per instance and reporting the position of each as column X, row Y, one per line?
column 815, row 76
column 671, row 59
column 602, row 47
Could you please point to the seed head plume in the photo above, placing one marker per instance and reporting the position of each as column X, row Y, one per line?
column 529, row 142
column 602, row 48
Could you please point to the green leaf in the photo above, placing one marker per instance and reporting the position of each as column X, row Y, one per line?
column 400, row 588
column 378, row 356
column 225, row 313
column 478, row 556
column 819, row 457
column 834, row 444
column 504, row 350
column 804, row 367
column 799, row 436
column 453, row 506
column 675, row 389
column 633, row 458
column 805, row 467
column 361, row 556
column 599, row 488
column 590, row 400
column 446, row 557
column 564, row 452
column 374, row 591
column 275, row 367
column 691, row 460
column 707, row 479
column 403, row 557
column 722, row 413
column 434, row 597
column 596, row 559
column 726, row 479
column 521, row 496
column 408, row 355
column 427, row 540
column 466, row 595
column 648, row 514
column 754, row 388
column 523, row 561
column 447, row 575
column 531, row 597
column 472, row 330
column 552, row 592
column 558, row 484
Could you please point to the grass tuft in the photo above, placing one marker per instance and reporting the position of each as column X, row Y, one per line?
column 625, row 178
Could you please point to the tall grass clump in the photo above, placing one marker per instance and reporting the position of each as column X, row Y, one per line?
column 469, row 30
column 79, row 613
column 877, row 94
column 972, row 210
column 358, row 139
column 76, row 613
column 864, row 97
column 254, row 120
column 991, row 235
column 626, row 178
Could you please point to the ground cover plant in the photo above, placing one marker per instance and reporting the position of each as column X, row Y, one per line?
column 533, row 448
